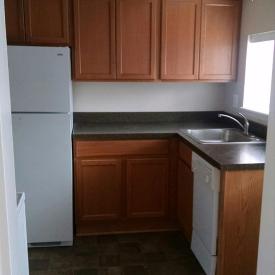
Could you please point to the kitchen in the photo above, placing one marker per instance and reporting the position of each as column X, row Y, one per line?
column 125, row 137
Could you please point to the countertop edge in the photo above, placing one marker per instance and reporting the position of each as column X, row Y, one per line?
column 191, row 143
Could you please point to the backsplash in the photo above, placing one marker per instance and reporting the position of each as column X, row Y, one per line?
column 147, row 97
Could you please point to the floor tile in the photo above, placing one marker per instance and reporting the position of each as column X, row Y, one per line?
column 53, row 272
column 129, row 248
column 86, row 271
column 85, row 261
column 154, row 257
column 106, row 239
column 85, row 250
column 110, row 271
column 85, row 241
column 59, row 263
column 135, row 270
column 38, row 253
column 129, row 259
column 162, row 253
column 109, row 260
column 148, row 247
column 39, row 264
column 174, row 269
column 108, row 248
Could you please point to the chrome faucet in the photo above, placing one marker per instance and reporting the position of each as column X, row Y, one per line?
column 244, row 126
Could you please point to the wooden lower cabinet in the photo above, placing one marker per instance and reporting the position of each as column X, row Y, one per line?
column 98, row 189
column 185, row 199
column 124, row 186
column 147, row 187
column 239, row 222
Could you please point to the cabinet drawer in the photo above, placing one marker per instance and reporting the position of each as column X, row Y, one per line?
column 185, row 153
column 121, row 147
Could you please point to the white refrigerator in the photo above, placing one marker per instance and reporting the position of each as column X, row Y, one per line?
column 41, row 102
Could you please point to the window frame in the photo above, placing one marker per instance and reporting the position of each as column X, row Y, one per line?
column 257, row 37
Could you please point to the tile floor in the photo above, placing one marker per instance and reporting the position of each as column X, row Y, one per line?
column 129, row 254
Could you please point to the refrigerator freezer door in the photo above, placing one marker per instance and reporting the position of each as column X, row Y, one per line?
column 40, row 79
column 43, row 167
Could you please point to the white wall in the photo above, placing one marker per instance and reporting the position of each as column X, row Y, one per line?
column 258, row 16
column 8, row 223
column 266, row 258
column 147, row 97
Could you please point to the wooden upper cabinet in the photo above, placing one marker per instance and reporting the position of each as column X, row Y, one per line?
column 14, row 12
column 47, row 22
column 94, row 53
column 147, row 187
column 137, row 39
column 120, row 39
column 219, row 39
column 180, row 39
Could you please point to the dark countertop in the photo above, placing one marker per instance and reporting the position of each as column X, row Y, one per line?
column 222, row 156
column 230, row 156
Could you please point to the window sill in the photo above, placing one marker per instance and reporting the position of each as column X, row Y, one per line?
column 255, row 116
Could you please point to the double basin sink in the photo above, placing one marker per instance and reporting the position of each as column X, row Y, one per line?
column 221, row 136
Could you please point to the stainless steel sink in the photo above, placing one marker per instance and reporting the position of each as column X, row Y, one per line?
column 221, row 136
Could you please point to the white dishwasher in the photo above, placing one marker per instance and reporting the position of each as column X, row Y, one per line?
column 205, row 213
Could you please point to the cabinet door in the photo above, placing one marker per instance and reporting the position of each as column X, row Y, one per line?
column 147, row 187
column 94, row 54
column 98, row 189
column 219, row 39
column 47, row 22
column 137, row 37
column 14, row 13
column 180, row 39
column 185, row 198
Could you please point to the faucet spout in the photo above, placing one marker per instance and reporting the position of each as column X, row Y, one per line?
column 244, row 126
column 246, row 123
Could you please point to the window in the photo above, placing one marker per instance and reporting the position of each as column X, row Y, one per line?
column 258, row 74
